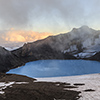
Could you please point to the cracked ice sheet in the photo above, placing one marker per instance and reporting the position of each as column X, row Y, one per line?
column 91, row 81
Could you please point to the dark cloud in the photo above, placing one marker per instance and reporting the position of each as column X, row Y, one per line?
column 48, row 14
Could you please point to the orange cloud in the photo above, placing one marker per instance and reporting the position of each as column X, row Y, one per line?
column 24, row 36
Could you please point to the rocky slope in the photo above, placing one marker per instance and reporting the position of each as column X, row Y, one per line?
column 8, row 60
column 40, row 50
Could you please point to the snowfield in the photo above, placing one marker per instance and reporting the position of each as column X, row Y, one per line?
column 91, row 85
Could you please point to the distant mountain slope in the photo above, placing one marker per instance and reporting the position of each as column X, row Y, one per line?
column 40, row 50
column 81, row 42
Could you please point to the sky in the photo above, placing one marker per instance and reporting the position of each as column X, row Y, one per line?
column 29, row 20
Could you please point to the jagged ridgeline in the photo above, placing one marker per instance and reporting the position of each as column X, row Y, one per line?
column 80, row 43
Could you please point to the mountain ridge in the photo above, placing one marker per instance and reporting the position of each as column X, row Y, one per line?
column 80, row 43
column 74, row 42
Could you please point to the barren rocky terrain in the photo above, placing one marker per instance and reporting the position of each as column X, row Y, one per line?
column 17, row 87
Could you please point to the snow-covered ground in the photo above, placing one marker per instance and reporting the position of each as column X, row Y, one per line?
column 91, row 81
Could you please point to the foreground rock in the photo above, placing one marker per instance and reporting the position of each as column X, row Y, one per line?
column 24, row 88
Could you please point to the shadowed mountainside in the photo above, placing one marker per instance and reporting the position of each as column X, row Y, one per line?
column 8, row 60
column 40, row 50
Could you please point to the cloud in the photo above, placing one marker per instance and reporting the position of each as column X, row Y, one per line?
column 16, row 36
column 48, row 15
column 14, row 12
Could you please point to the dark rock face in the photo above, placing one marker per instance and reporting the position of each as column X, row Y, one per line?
column 95, row 57
column 8, row 60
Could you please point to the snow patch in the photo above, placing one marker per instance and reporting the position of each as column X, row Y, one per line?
column 4, row 85
column 84, row 54
column 91, row 81
column 11, row 49
column 21, row 82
